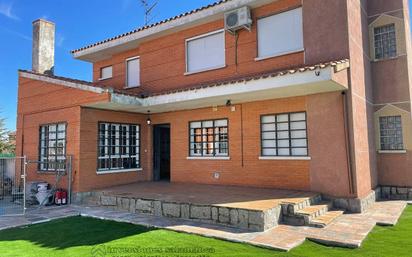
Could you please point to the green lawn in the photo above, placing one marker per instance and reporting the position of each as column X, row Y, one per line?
column 79, row 237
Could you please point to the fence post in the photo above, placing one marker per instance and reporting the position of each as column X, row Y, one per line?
column 24, row 183
column 69, row 189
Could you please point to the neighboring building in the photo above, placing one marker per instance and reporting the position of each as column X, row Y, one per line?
column 313, row 95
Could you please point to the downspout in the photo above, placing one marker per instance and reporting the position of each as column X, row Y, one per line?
column 347, row 141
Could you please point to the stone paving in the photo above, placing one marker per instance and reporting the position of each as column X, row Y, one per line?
column 348, row 230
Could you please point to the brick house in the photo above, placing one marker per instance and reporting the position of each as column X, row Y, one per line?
column 308, row 95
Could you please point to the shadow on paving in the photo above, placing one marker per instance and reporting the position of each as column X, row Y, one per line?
column 72, row 232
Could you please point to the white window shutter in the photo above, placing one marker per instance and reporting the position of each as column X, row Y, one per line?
column 206, row 52
column 133, row 72
column 280, row 34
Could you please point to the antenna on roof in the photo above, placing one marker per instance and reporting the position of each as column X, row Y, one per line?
column 148, row 9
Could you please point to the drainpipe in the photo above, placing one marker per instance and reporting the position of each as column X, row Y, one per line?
column 348, row 144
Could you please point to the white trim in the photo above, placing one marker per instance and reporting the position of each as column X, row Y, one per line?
column 61, row 82
column 203, row 36
column 117, row 171
column 222, row 158
column 204, row 70
column 286, row 158
column 391, row 151
column 279, row 54
column 127, row 76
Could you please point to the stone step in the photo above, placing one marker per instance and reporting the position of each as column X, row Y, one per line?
column 305, row 215
column 291, row 206
column 325, row 219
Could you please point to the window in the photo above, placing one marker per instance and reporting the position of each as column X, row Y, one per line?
column 133, row 72
column 385, row 41
column 52, row 156
column 205, row 52
column 119, row 146
column 391, row 133
column 106, row 72
column 280, row 34
column 284, row 134
column 209, row 138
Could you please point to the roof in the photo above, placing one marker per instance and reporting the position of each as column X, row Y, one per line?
column 152, row 25
column 130, row 40
column 337, row 65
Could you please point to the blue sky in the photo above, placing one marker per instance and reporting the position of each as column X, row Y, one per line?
column 78, row 23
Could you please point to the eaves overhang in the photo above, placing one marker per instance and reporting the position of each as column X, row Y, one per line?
column 297, row 83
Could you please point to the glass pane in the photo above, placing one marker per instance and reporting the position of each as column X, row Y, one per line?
column 299, row 151
column 268, row 119
column 269, row 152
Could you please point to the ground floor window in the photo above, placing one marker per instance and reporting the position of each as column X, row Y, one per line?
column 391, row 133
column 119, row 146
column 284, row 134
column 209, row 138
column 52, row 150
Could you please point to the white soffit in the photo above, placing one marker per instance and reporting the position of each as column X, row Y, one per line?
column 297, row 84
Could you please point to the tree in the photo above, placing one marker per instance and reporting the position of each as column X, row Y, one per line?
column 6, row 146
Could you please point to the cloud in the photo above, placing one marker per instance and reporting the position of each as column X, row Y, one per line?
column 59, row 39
column 6, row 9
column 17, row 34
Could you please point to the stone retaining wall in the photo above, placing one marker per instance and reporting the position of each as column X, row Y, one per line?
column 356, row 205
column 396, row 193
column 252, row 220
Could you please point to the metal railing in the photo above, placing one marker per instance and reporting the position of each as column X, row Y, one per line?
column 12, row 186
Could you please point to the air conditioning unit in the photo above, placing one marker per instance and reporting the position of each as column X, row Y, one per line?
column 238, row 19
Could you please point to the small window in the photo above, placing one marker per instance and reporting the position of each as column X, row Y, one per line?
column 284, row 134
column 385, row 41
column 205, row 52
column 106, row 72
column 52, row 155
column 119, row 146
column 391, row 133
column 209, row 138
column 133, row 72
column 280, row 34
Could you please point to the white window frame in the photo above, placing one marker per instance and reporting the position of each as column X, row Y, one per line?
column 187, row 72
column 264, row 57
column 127, row 73
column 101, row 72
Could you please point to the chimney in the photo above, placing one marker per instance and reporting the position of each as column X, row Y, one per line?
column 43, row 47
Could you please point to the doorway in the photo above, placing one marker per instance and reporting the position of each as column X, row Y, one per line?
column 161, row 152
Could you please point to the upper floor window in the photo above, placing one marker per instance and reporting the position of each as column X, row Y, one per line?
column 133, row 72
column 280, row 33
column 284, row 134
column 385, row 41
column 52, row 155
column 391, row 133
column 205, row 52
column 106, row 72
column 209, row 138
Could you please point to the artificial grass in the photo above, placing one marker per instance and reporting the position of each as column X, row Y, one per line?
column 78, row 236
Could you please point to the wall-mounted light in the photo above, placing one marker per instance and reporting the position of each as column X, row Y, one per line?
column 148, row 121
column 229, row 103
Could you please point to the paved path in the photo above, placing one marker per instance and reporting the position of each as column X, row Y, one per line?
column 349, row 230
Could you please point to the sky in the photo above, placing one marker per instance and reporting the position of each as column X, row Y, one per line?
column 78, row 23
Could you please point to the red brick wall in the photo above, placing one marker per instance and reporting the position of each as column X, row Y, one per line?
column 163, row 65
column 42, row 103
column 89, row 179
column 326, row 172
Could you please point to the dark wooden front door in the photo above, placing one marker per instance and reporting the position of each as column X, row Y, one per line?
column 161, row 152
